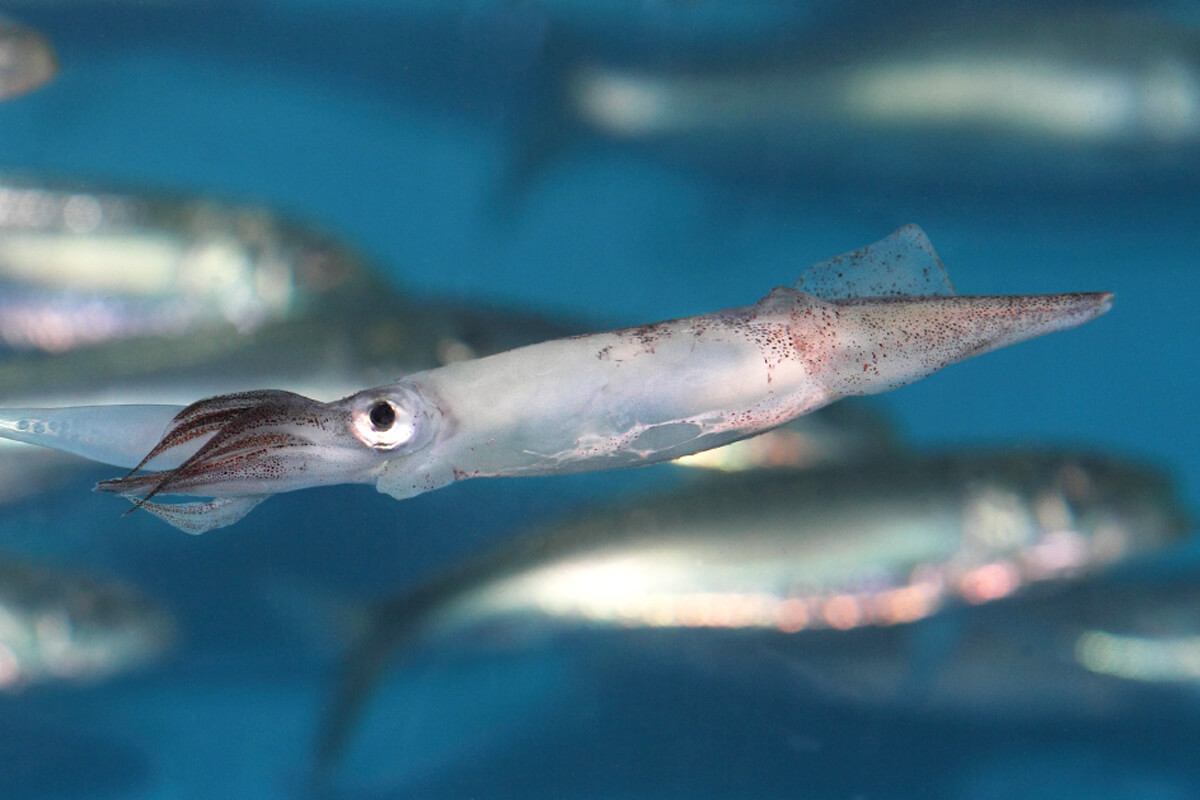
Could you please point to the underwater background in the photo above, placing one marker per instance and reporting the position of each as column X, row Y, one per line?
column 434, row 138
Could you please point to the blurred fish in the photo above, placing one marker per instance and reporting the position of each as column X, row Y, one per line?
column 873, row 544
column 83, row 265
column 65, row 626
column 995, row 97
column 1098, row 647
column 1144, row 631
column 102, row 294
column 27, row 60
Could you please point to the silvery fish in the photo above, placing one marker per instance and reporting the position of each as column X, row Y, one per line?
column 27, row 60
column 997, row 98
column 58, row 625
column 113, row 295
column 1145, row 631
column 83, row 265
column 862, row 546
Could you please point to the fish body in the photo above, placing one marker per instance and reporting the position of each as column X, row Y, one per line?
column 872, row 543
column 855, row 551
column 83, row 268
column 1078, row 96
column 1103, row 647
column 598, row 401
column 59, row 626
column 83, row 265
column 1144, row 631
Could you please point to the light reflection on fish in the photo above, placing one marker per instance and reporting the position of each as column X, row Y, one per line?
column 1100, row 647
column 999, row 96
column 82, row 265
column 135, row 292
column 162, row 298
column 58, row 625
column 861, row 323
column 1144, row 631
column 27, row 60
column 867, row 545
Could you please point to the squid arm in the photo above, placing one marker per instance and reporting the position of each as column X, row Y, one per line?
column 861, row 323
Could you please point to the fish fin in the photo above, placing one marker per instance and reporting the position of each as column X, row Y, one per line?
column 199, row 517
column 387, row 629
column 533, row 153
column 902, row 264
column 544, row 127
column 362, row 667
column 391, row 629
column 359, row 675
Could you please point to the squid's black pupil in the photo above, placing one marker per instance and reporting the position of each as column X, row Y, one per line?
column 382, row 415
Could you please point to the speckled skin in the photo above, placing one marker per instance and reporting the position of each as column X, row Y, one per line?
column 656, row 392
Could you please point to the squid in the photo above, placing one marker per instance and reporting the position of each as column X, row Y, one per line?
column 861, row 323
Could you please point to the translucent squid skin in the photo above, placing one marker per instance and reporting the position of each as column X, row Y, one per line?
column 629, row 397
column 657, row 392
column 875, row 319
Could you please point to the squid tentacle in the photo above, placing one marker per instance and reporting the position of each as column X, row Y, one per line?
column 208, row 415
column 238, row 441
column 225, row 462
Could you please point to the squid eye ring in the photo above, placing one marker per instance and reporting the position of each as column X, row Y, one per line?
column 382, row 415
column 386, row 421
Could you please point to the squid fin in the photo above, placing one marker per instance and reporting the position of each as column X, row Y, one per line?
column 117, row 435
column 902, row 264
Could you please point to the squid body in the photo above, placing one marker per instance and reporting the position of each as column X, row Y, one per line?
column 861, row 323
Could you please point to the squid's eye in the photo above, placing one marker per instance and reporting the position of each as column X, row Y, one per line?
column 382, row 415
column 383, row 423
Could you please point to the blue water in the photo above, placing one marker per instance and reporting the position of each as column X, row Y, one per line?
column 393, row 125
